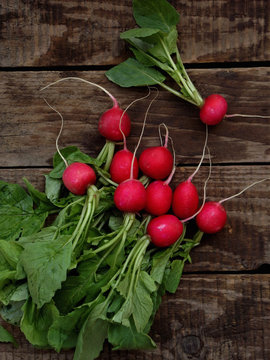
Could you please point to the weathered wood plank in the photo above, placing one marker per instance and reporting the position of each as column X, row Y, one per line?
column 244, row 242
column 29, row 128
column 210, row 317
column 57, row 33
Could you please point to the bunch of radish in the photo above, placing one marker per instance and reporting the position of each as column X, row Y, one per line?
column 169, row 208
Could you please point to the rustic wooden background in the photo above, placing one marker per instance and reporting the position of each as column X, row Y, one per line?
column 222, row 307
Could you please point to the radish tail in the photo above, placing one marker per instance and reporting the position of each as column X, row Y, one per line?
column 203, row 153
column 246, row 188
column 115, row 103
column 204, row 189
column 141, row 135
column 120, row 122
column 60, row 132
column 247, row 116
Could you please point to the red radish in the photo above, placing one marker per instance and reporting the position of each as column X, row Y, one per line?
column 77, row 177
column 164, row 230
column 185, row 197
column 158, row 198
column 109, row 121
column 185, row 200
column 156, row 162
column 212, row 218
column 121, row 166
column 214, row 109
column 130, row 196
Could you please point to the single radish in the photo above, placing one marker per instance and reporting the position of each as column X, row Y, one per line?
column 130, row 195
column 214, row 109
column 164, row 230
column 185, row 200
column 212, row 217
column 109, row 121
column 157, row 161
column 121, row 166
column 77, row 177
column 158, row 198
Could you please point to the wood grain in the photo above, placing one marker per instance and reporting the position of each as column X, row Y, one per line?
column 29, row 127
column 210, row 317
column 244, row 242
column 61, row 33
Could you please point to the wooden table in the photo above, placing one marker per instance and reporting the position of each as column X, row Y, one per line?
column 221, row 310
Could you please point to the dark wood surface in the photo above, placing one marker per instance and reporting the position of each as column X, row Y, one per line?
column 58, row 33
column 221, row 309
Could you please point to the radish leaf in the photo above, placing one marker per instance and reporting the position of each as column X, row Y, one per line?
column 132, row 73
column 157, row 14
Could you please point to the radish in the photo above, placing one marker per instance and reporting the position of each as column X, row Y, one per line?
column 164, row 230
column 77, row 177
column 121, row 166
column 158, row 198
column 157, row 161
column 130, row 195
column 108, row 124
column 185, row 200
column 212, row 217
column 214, row 109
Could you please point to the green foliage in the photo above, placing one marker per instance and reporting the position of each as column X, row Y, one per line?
column 154, row 45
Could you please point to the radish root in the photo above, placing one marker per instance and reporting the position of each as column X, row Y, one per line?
column 60, row 132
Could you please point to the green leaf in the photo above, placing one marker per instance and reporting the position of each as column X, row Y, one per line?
column 123, row 337
column 142, row 306
column 65, row 328
column 138, row 33
column 53, row 188
column 12, row 313
column 36, row 322
column 132, row 73
column 46, row 264
column 5, row 336
column 173, row 279
column 160, row 261
column 17, row 215
column 92, row 335
column 11, row 251
column 156, row 14
column 39, row 198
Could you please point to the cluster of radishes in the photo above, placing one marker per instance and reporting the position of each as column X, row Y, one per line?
column 131, row 196
column 169, row 209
